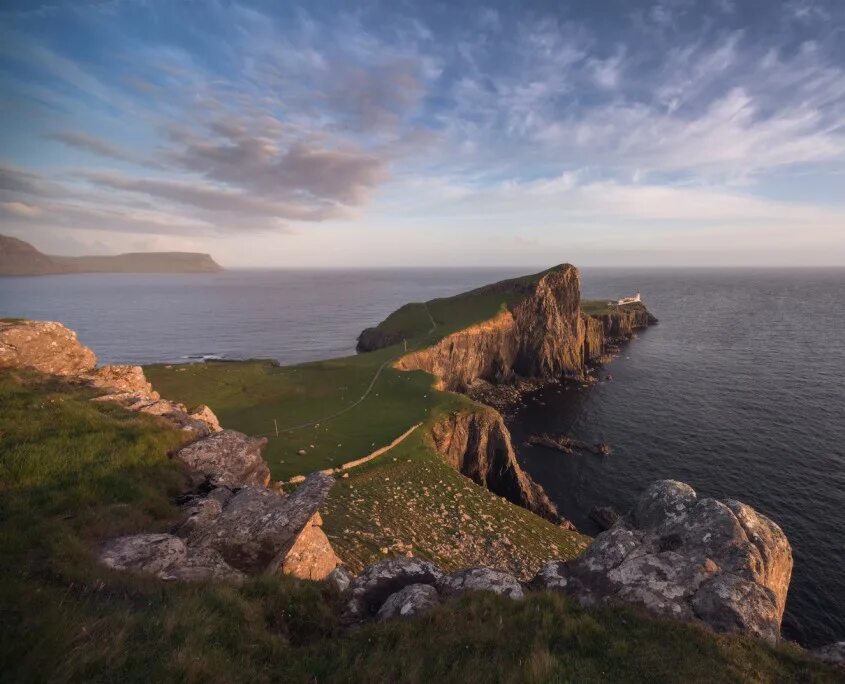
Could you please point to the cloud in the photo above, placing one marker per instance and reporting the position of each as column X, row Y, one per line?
column 87, row 143
column 19, row 209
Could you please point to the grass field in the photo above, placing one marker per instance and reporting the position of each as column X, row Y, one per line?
column 73, row 472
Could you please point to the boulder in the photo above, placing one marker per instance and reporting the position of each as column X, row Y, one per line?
column 833, row 654
column 166, row 557
column 119, row 378
column 311, row 555
column 206, row 415
column 257, row 527
column 369, row 590
column 44, row 346
column 604, row 516
column 479, row 579
column 228, row 458
column 718, row 563
column 339, row 579
column 409, row 602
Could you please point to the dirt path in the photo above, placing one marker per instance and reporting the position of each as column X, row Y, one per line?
column 366, row 393
column 364, row 459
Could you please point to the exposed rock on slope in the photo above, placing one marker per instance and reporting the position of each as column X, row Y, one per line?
column 44, row 346
column 540, row 336
column 228, row 458
column 478, row 445
column 678, row 555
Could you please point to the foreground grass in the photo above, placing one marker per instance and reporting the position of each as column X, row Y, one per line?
column 73, row 472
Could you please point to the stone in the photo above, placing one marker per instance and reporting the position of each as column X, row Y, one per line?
column 409, row 602
column 166, row 557
column 120, row 378
column 45, row 346
column 206, row 415
column 719, row 563
column 339, row 579
column 257, row 527
column 228, row 458
column 479, row 579
column 604, row 516
column 311, row 555
column 369, row 590
column 833, row 654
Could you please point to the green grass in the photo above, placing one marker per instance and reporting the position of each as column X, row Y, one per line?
column 73, row 472
column 598, row 307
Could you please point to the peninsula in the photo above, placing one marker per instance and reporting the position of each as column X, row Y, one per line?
column 19, row 258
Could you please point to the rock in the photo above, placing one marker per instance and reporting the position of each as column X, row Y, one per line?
column 719, row 563
column 228, row 458
column 339, row 579
column 604, row 516
column 479, row 579
column 206, row 415
column 257, row 527
column 478, row 445
column 409, row 602
column 118, row 378
column 44, row 346
column 166, row 557
column 311, row 555
column 834, row 653
column 369, row 590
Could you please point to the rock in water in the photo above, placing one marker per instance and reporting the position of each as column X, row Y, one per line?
column 479, row 579
column 678, row 555
column 369, row 590
column 409, row 602
column 228, row 458
column 43, row 346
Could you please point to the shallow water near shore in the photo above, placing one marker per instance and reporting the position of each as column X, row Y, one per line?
column 740, row 390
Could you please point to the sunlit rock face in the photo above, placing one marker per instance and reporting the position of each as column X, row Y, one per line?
column 44, row 346
column 694, row 558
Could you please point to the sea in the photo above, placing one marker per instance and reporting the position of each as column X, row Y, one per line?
column 739, row 390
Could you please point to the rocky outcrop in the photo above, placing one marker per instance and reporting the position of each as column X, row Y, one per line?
column 227, row 458
column 479, row 579
column 478, row 445
column 408, row 587
column 119, row 378
column 539, row 336
column 678, row 555
column 410, row 602
column 311, row 555
column 44, row 346
column 833, row 654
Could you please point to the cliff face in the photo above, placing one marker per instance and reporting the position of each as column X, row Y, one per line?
column 478, row 445
column 21, row 258
column 541, row 336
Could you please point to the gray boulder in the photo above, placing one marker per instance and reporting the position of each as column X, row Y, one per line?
column 479, row 579
column 166, row 557
column 678, row 555
column 833, row 654
column 369, row 590
column 256, row 528
column 228, row 458
column 409, row 602
column 339, row 579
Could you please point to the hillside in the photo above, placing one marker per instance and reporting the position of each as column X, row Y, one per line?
column 74, row 471
column 21, row 258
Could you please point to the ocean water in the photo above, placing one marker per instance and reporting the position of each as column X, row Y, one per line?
column 739, row 391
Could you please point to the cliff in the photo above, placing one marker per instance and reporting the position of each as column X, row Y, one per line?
column 21, row 258
column 540, row 332
column 478, row 445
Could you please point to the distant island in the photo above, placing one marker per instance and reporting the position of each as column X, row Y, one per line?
column 21, row 258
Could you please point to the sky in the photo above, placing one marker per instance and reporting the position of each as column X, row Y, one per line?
column 355, row 134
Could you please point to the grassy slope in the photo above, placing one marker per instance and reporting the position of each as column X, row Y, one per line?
column 72, row 472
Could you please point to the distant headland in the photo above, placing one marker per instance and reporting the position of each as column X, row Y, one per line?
column 21, row 258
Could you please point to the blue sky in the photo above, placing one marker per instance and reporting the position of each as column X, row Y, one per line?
column 400, row 133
